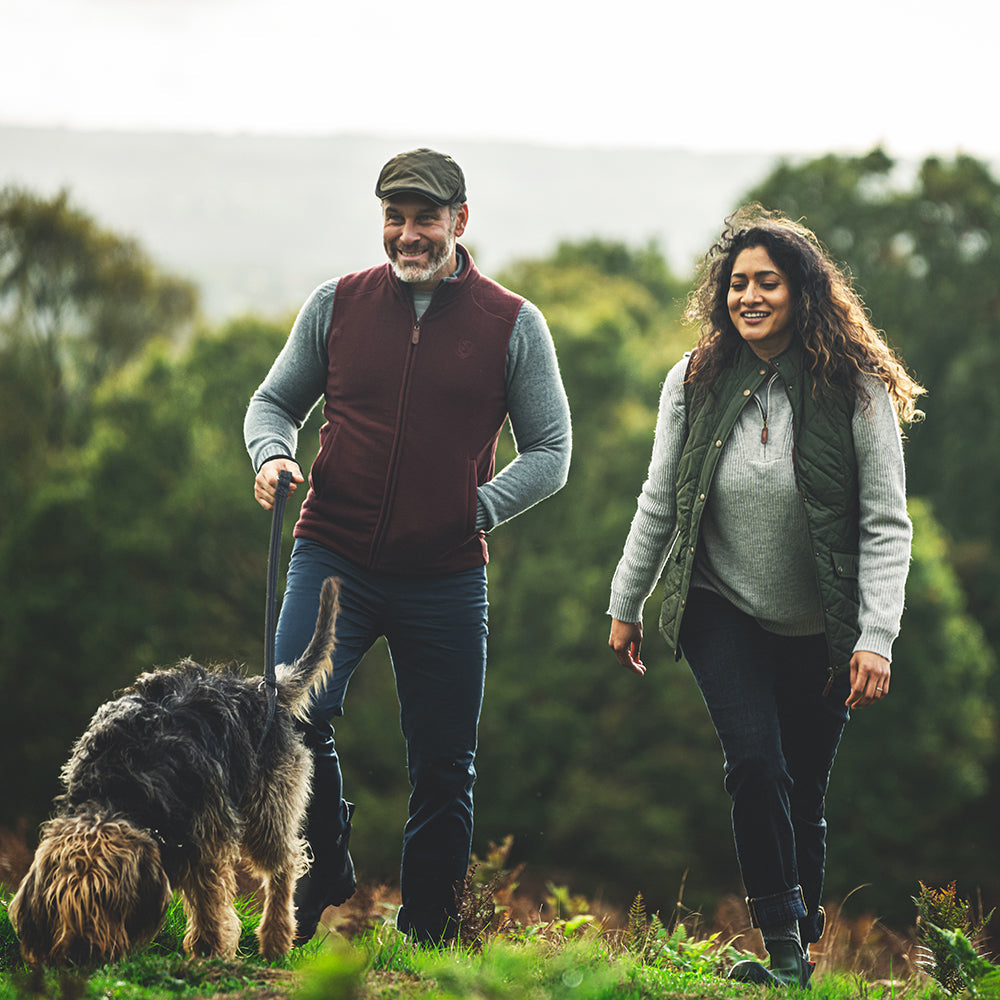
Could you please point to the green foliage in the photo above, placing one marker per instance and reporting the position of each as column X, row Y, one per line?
column 334, row 974
column 10, row 949
column 949, row 911
column 645, row 266
column 534, row 969
column 63, row 984
column 651, row 943
column 948, row 932
column 570, row 917
column 643, row 962
column 142, row 977
column 956, row 965
column 169, row 939
column 76, row 303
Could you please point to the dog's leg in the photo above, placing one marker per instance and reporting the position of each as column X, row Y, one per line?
column 276, row 930
column 213, row 928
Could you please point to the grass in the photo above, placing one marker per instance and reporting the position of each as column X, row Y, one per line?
column 565, row 957
column 510, row 948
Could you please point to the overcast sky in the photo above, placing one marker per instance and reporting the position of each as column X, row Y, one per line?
column 730, row 75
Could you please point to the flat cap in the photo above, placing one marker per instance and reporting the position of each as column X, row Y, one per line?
column 424, row 172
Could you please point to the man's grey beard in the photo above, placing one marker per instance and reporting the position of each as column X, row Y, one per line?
column 413, row 275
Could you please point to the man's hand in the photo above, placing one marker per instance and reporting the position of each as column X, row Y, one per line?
column 626, row 641
column 265, row 485
column 869, row 679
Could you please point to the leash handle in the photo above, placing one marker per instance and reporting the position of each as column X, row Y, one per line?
column 270, row 611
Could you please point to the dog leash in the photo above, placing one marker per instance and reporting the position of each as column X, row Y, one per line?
column 270, row 615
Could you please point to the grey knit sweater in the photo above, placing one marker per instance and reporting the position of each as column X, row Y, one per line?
column 536, row 404
column 754, row 543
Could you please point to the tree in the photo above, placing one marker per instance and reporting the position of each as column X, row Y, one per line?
column 76, row 303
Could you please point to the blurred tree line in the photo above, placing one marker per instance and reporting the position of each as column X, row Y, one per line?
column 131, row 538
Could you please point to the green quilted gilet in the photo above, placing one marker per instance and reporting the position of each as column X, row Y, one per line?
column 825, row 470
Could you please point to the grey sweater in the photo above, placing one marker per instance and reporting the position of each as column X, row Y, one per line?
column 536, row 404
column 754, row 543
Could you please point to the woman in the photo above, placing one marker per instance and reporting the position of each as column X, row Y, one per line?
column 775, row 508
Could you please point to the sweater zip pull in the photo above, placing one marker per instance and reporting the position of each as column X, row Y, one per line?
column 764, row 409
column 832, row 671
column 415, row 337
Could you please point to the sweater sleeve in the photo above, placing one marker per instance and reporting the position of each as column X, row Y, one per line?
column 885, row 529
column 539, row 420
column 293, row 386
column 647, row 545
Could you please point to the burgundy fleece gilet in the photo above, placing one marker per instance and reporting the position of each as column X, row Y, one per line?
column 413, row 411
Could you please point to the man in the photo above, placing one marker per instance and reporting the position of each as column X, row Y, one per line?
column 418, row 362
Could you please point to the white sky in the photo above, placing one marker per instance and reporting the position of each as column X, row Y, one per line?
column 761, row 75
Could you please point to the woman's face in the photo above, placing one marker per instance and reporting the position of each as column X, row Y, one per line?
column 760, row 303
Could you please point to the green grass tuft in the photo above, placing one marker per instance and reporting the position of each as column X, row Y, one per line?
column 10, row 949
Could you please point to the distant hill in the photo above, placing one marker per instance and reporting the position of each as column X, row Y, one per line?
column 258, row 221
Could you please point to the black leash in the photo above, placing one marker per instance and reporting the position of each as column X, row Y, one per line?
column 271, row 615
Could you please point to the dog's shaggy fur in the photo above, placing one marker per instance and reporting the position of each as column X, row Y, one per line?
column 164, row 791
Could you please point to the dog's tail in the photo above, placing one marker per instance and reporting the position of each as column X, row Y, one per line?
column 297, row 681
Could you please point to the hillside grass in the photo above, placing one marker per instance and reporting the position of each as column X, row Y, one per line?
column 570, row 955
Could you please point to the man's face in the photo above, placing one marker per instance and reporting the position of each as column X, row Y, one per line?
column 419, row 239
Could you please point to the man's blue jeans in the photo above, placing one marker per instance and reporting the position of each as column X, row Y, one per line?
column 435, row 628
column 779, row 735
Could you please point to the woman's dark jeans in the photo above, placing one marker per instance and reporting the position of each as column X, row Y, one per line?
column 779, row 735
column 435, row 628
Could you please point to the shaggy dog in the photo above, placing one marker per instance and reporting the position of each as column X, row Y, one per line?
column 166, row 788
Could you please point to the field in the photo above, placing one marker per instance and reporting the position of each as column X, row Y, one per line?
column 515, row 943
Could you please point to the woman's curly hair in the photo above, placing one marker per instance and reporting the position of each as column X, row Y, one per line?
column 827, row 314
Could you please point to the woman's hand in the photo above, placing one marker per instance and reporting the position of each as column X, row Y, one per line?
column 869, row 679
column 266, row 482
column 626, row 641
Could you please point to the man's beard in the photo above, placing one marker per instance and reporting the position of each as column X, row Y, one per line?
column 413, row 274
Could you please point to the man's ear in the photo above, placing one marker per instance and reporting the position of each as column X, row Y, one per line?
column 461, row 219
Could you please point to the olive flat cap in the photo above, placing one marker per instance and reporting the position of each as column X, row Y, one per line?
column 425, row 172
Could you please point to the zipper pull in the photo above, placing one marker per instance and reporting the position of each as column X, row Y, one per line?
column 763, row 432
column 415, row 338
column 829, row 683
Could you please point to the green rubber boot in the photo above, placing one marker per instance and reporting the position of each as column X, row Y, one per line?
column 788, row 967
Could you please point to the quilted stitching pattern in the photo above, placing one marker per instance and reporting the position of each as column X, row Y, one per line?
column 826, row 473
